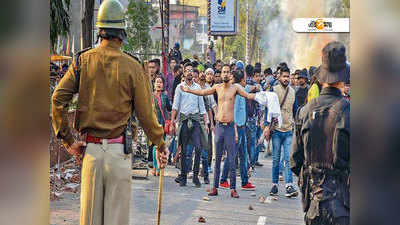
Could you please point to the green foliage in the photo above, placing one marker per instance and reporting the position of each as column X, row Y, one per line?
column 59, row 20
column 235, row 46
column 141, row 17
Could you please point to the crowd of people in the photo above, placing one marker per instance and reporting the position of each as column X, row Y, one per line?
column 214, row 109
column 192, row 120
column 209, row 109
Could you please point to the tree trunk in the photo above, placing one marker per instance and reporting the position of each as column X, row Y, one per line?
column 87, row 24
column 255, row 34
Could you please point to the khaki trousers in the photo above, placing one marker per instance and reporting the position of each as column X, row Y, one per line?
column 105, row 185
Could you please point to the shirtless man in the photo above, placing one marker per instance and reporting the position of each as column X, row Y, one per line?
column 224, row 130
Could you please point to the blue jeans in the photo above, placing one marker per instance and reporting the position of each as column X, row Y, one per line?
column 281, row 165
column 251, row 132
column 172, row 148
column 279, row 140
column 258, row 148
column 241, row 148
column 225, row 139
column 204, row 159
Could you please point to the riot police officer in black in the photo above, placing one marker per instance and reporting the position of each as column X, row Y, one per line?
column 321, row 144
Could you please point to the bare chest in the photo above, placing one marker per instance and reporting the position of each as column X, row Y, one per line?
column 226, row 95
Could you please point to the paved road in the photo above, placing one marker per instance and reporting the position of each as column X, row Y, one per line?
column 184, row 205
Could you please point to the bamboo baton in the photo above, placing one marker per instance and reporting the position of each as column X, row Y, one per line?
column 160, row 188
column 160, row 185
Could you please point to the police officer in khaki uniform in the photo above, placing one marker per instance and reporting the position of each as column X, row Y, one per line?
column 111, row 85
column 321, row 144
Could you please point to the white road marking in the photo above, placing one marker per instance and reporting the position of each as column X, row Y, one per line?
column 262, row 220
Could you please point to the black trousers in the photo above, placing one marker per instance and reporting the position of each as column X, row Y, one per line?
column 193, row 137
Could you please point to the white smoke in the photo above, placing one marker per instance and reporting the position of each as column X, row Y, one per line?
column 282, row 44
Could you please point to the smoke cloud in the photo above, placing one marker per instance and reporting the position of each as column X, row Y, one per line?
column 282, row 44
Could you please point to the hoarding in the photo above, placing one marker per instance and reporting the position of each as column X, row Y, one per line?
column 223, row 19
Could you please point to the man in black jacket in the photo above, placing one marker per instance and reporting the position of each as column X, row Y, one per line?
column 321, row 144
column 302, row 88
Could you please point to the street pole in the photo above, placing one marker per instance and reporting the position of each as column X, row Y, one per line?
column 208, row 26
column 163, row 54
column 82, row 7
column 183, row 25
column 222, row 47
column 247, row 33
column 209, row 21
column 167, row 30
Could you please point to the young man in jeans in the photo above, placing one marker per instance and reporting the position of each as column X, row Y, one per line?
column 252, row 86
column 224, row 131
column 282, row 136
column 240, row 138
column 192, row 114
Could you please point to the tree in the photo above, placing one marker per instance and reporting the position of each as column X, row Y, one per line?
column 140, row 17
column 87, row 24
column 259, row 17
column 59, row 20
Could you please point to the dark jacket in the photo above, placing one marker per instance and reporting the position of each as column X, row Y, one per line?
column 177, row 81
column 321, row 154
column 301, row 95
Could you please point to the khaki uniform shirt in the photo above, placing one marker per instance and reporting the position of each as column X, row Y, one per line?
column 110, row 82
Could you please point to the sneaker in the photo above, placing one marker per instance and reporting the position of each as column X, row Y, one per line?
column 196, row 181
column 258, row 164
column 178, row 179
column 291, row 192
column 234, row 194
column 274, row 190
column 206, row 180
column 248, row 187
column 213, row 192
column 251, row 171
column 280, row 177
column 224, row 185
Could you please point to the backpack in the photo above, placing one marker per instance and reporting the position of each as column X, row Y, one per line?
column 325, row 132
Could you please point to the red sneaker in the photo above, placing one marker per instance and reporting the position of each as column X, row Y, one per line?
column 213, row 192
column 224, row 185
column 248, row 187
column 234, row 194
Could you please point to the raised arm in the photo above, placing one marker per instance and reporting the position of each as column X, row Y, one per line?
column 202, row 92
column 240, row 90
